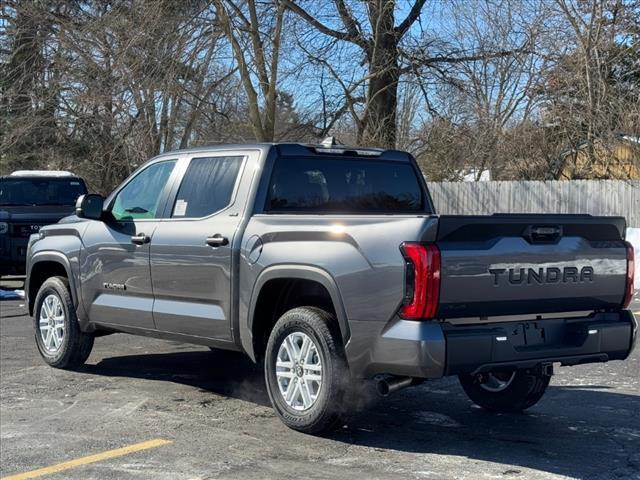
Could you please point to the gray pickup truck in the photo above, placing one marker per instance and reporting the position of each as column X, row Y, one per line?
column 329, row 265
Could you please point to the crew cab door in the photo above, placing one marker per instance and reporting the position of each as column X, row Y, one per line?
column 114, row 263
column 191, row 251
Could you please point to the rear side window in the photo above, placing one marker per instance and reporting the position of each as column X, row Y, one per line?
column 206, row 187
column 336, row 185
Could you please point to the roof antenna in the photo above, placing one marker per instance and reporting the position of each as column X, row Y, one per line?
column 329, row 142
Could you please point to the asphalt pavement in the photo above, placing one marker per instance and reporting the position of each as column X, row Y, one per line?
column 151, row 409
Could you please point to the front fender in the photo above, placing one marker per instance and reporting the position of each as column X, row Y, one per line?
column 49, row 256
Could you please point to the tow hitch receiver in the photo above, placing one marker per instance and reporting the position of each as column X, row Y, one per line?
column 545, row 369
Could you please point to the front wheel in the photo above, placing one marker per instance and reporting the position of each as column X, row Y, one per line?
column 505, row 391
column 305, row 370
column 60, row 341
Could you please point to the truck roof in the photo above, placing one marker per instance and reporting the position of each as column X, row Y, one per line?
column 304, row 149
column 42, row 174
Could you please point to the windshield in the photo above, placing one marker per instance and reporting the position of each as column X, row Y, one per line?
column 40, row 191
column 341, row 185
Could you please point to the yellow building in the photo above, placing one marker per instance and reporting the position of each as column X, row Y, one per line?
column 618, row 161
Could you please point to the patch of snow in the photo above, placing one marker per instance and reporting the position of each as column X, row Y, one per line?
column 437, row 419
column 10, row 295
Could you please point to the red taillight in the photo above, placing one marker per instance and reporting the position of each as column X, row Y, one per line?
column 628, row 294
column 422, row 281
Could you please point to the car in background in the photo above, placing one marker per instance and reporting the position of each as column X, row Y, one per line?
column 29, row 200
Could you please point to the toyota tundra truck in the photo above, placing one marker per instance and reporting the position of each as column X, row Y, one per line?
column 29, row 200
column 329, row 265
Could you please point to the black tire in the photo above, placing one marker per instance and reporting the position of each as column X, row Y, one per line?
column 327, row 411
column 524, row 391
column 76, row 345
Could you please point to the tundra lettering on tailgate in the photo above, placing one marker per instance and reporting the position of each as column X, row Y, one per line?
column 522, row 276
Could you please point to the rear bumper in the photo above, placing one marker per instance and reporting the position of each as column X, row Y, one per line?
column 598, row 338
column 433, row 350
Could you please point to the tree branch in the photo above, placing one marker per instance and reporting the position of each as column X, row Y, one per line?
column 411, row 17
column 449, row 59
column 352, row 25
column 322, row 27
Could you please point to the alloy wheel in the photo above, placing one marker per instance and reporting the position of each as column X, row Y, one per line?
column 496, row 381
column 299, row 371
column 51, row 323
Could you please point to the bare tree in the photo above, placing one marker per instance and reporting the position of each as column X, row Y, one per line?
column 491, row 94
column 593, row 94
column 379, row 44
column 119, row 81
column 536, row 89
column 256, row 48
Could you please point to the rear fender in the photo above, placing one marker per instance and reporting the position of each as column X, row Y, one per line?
column 302, row 272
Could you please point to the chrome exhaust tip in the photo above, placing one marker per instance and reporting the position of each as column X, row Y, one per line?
column 386, row 386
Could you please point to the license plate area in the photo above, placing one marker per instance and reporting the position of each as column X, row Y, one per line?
column 25, row 230
column 527, row 334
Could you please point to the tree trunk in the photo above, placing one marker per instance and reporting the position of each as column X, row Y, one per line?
column 379, row 121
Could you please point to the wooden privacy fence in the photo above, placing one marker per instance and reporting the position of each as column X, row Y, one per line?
column 597, row 197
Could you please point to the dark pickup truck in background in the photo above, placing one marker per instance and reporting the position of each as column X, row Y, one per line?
column 330, row 265
column 29, row 200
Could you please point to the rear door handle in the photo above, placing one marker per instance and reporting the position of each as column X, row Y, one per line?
column 217, row 241
column 140, row 239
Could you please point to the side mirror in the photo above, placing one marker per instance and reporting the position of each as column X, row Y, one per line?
column 90, row 206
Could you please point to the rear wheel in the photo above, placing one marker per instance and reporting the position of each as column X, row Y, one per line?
column 305, row 370
column 60, row 341
column 505, row 391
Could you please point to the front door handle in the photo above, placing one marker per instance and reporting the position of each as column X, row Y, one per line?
column 217, row 241
column 140, row 239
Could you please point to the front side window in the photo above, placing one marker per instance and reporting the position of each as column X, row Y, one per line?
column 140, row 198
column 342, row 185
column 207, row 186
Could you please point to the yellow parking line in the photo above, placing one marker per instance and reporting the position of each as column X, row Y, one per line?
column 98, row 457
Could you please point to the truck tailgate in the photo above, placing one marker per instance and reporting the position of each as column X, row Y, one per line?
column 529, row 264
